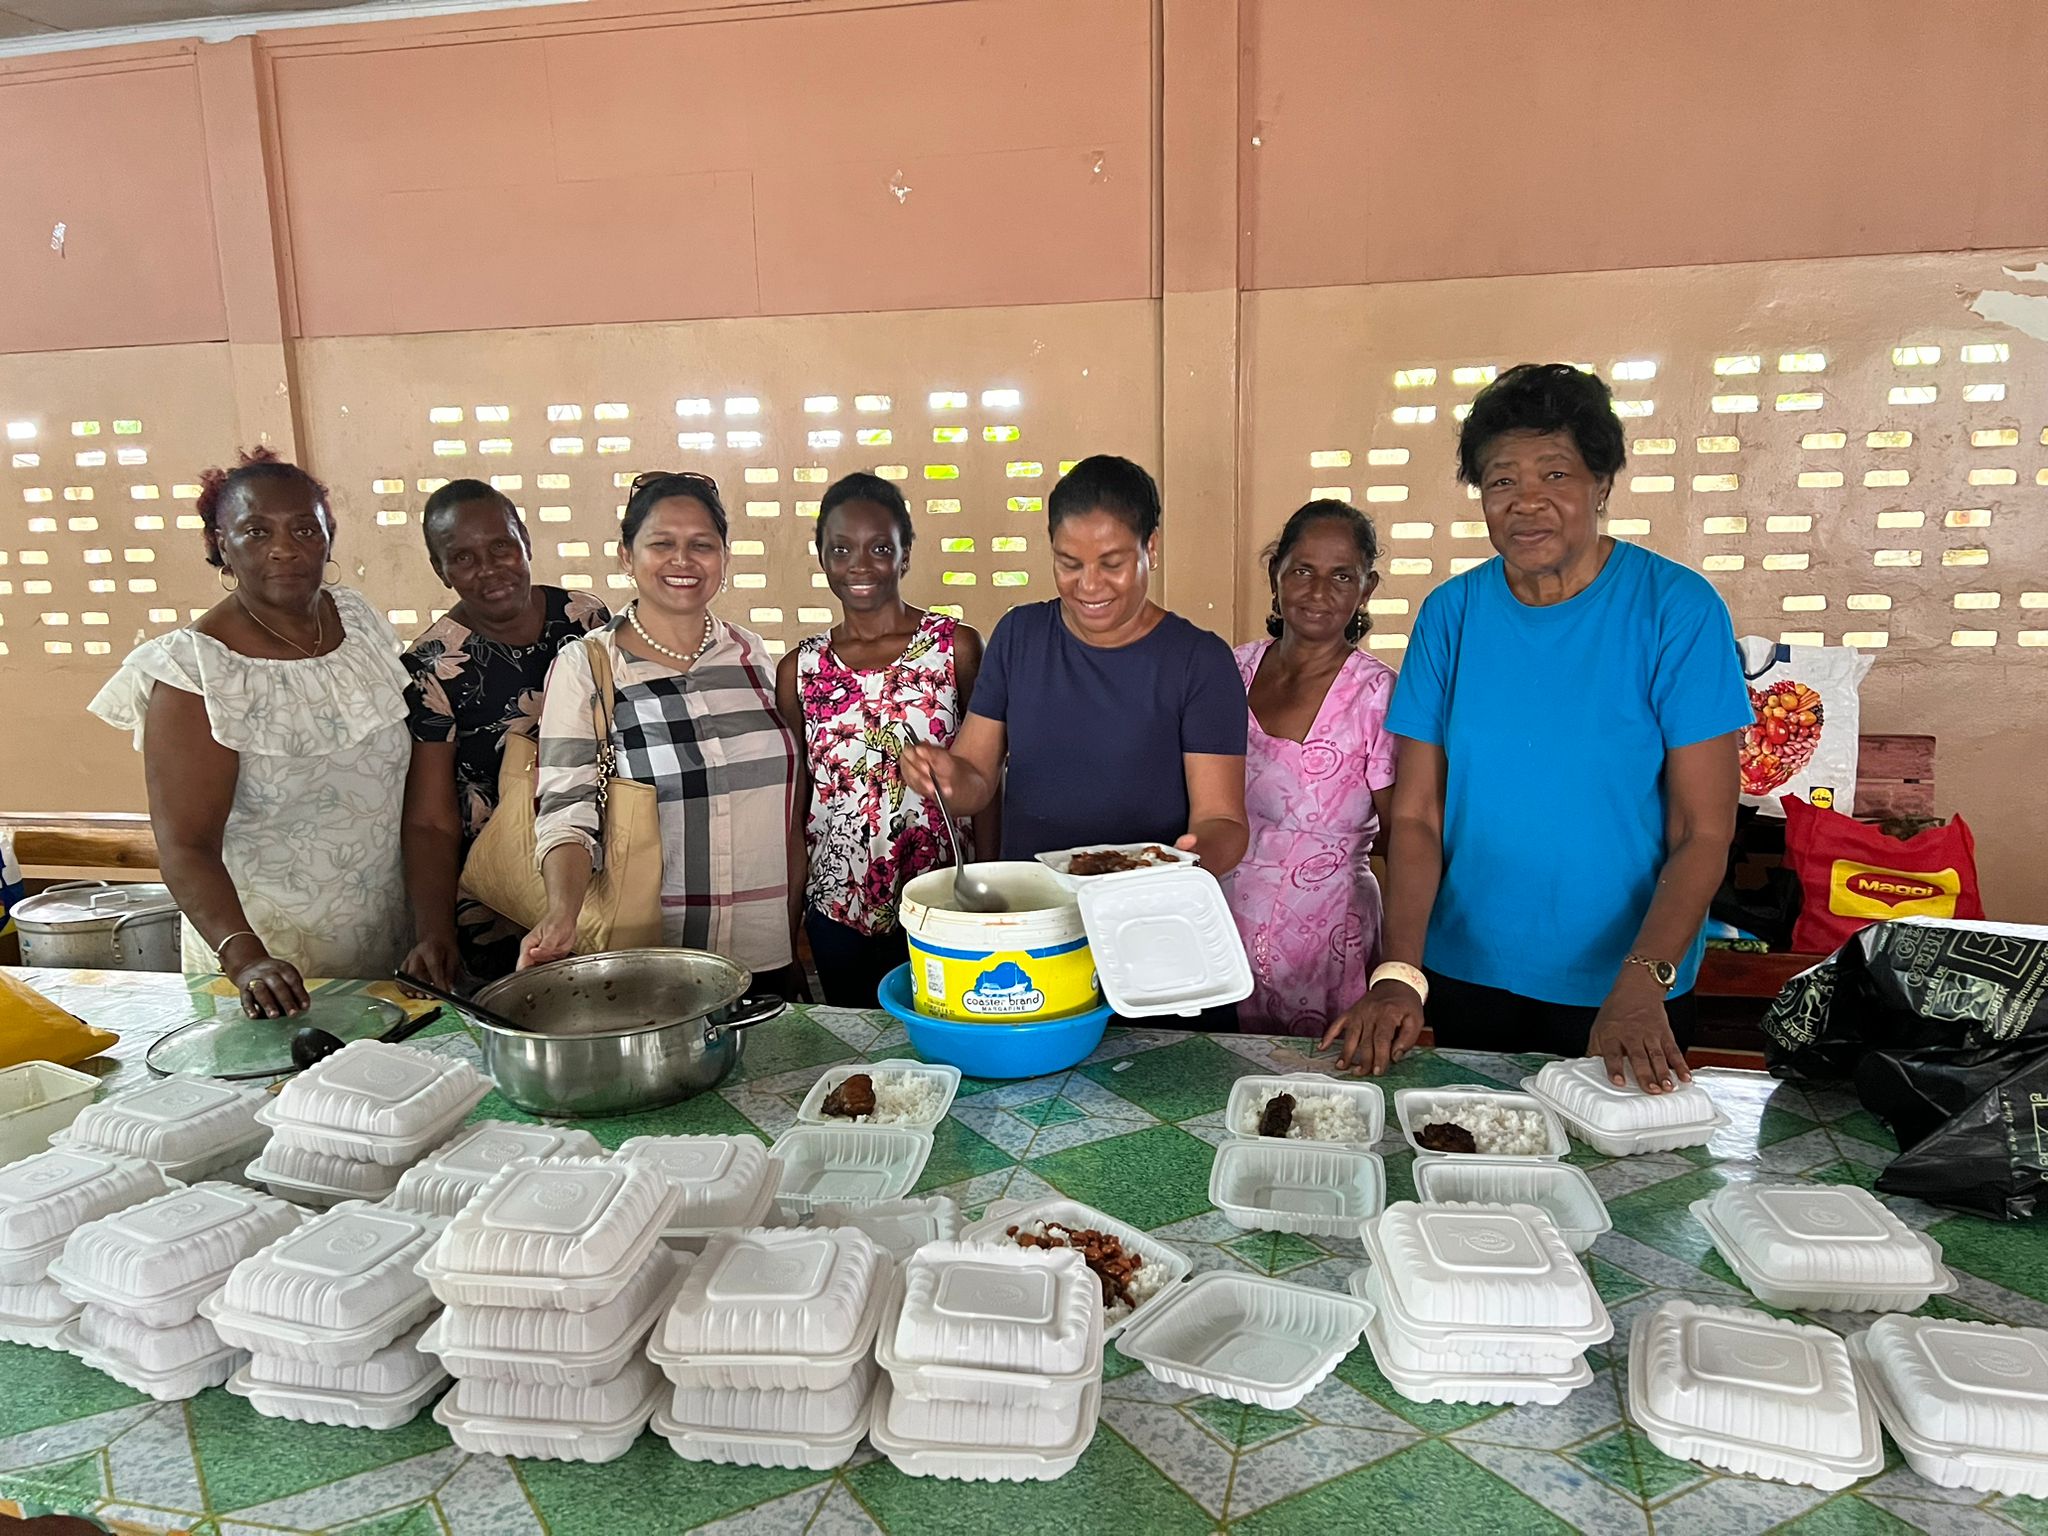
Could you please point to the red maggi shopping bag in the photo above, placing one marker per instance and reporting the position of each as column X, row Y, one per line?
column 1852, row 875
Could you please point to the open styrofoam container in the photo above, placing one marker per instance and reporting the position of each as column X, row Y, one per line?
column 1966, row 1402
column 1433, row 1357
column 44, row 1198
column 1249, row 1096
column 158, row 1260
column 1425, row 1382
column 544, row 1345
column 379, row 1102
column 898, row 1227
column 166, row 1386
column 1164, row 942
column 942, row 1078
column 721, row 1182
column 1823, row 1248
column 398, row 1368
column 1417, row 1107
column 175, row 1122
column 774, row 1309
column 319, row 1179
column 1751, row 1393
column 738, row 1426
column 1247, row 1337
column 1459, row 1273
column 1163, row 855
column 567, row 1233
column 847, row 1165
column 339, row 1288
column 1164, row 1266
column 1621, row 1121
column 958, row 1456
column 1267, row 1185
column 587, row 1440
column 446, row 1180
column 38, row 1101
column 345, row 1408
column 1562, row 1192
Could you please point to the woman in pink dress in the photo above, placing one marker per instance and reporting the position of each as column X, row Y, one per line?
column 1319, row 773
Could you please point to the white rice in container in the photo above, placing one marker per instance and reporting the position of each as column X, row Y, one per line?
column 1317, row 1117
column 1144, row 1282
column 1498, row 1130
column 901, row 1098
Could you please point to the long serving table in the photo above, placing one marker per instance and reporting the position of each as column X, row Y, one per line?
column 1131, row 1131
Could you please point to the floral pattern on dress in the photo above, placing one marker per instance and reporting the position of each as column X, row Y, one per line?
column 868, row 832
column 1306, row 901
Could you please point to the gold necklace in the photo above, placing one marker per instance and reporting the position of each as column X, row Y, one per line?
column 710, row 634
column 319, row 626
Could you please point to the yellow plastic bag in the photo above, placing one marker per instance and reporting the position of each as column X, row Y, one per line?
column 32, row 1028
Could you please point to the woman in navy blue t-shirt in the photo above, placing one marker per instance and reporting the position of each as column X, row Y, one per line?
column 1120, row 722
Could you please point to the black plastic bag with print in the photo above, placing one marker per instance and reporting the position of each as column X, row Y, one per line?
column 1973, row 1123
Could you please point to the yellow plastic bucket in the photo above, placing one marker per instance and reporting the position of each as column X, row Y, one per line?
column 998, row 967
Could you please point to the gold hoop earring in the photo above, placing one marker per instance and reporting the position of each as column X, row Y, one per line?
column 335, row 579
column 225, row 586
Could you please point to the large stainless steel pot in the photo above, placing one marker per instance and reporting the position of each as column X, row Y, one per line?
column 609, row 1034
column 97, row 925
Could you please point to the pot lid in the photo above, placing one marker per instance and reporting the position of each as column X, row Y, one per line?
column 91, row 904
column 1164, row 942
column 227, row 1043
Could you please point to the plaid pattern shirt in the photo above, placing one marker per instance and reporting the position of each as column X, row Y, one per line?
column 723, row 769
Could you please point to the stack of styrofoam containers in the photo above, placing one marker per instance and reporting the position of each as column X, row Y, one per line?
column 994, row 1364
column 331, row 1315
column 1966, row 1402
column 722, row 1183
column 1759, row 1395
column 1296, row 1183
column 349, row 1126
column 43, row 1200
column 1559, row 1190
column 1620, row 1119
column 578, row 1236
column 767, row 1346
column 443, row 1182
column 142, row 1274
column 1823, row 1248
column 191, row 1127
column 1478, row 1304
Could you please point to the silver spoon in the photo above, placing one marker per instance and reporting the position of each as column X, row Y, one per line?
column 973, row 892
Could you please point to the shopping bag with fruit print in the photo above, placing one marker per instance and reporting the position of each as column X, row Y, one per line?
column 1803, row 740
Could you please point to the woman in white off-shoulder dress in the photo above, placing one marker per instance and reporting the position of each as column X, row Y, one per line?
column 274, row 740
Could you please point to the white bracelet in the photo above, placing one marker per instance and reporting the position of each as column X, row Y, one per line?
column 239, row 933
column 1409, row 976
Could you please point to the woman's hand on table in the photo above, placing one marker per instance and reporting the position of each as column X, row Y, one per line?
column 552, row 938
column 437, row 959
column 1377, row 1030
column 1633, row 1032
column 270, row 988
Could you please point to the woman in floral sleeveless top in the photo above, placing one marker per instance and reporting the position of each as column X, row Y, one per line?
column 887, row 674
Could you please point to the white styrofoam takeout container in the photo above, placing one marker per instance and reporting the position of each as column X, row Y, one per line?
column 376, row 1102
column 847, row 1165
column 1269, row 1185
column 960, row 1457
column 721, row 1182
column 1966, row 1402
column 1011, row 1309
column 1751, row 1393
column 1423, row 1379
column 898, row 1227
column 1417, row 1107
column 1247, row 1337
column 188, row 1126
column 1562, row 1192
column 946, row 1079
column 345, row 1408
column 1422, row 1359
column 1623, row 1121
column 448, row 1178
column 570, row 1348
column 39, row 1100
column 1822, row 1248
column 1462, row 1274
column 157, row 1351
column 747, row 1427
column 1164, row 942
column 35, row 1314
column 158, row 1260
column 588, row 1440
column 385, row 1375
column 999, row 1390
column 168, row 1386
column 1060, row 861
column 782, row 1309
column 319, row 1179
column 567, row 1233
column 339, row 1288
column 1161, row 1258
column 1248, row 1097
column 45, row 1197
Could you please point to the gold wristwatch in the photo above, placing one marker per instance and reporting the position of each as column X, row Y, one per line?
column 1665, row 972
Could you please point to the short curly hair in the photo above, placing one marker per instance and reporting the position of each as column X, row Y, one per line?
column 217, row 485
column 1544, row 397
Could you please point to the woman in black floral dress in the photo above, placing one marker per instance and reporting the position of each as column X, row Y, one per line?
column 477, row 673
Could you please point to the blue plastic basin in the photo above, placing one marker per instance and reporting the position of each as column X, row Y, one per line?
column 994, row 1050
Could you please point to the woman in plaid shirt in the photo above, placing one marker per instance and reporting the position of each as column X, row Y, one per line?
column 694, row 716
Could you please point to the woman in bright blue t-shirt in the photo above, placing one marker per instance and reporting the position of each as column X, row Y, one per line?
column 1568, row 716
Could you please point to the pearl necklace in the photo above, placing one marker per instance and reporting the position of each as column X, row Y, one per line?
column 710, row 634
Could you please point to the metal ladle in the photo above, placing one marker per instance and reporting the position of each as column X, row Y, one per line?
column 974, row 893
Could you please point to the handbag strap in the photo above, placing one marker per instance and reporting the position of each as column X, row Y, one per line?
column 601, row 715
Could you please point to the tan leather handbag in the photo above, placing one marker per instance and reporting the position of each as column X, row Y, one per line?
column 622, row 908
